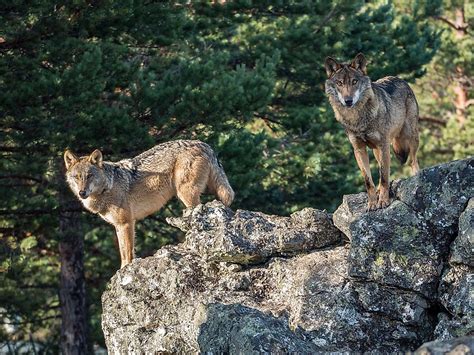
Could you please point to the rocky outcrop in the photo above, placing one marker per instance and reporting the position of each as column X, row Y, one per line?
column 246, row 282
column 456, row 289
column 457, row 346
column 244, row 237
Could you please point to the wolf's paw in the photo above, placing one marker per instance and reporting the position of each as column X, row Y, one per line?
column 383, row 202
column 372, row 205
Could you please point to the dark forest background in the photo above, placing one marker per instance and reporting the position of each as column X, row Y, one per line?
column 247, row 77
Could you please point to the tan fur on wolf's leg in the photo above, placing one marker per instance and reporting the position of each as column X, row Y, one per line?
column 408, row 142
column 413, row 160
column 126, row 239
column 362, row 158
column 382, row 154
column 191, row 183
column 189, row 195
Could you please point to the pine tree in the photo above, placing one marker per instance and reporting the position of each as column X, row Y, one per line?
column 445, row 93
column 123, row 75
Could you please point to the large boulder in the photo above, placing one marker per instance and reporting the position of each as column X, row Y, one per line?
column 407, row 244
column 395, row 247
column 246, row 282
column 177, row 302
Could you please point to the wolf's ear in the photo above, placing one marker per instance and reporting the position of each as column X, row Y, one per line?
column 96, row 158
column 360, row 63
column 69, row 159
column 332, row 66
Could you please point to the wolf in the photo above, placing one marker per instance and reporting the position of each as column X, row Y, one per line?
column 375, row 115
column 126, row 191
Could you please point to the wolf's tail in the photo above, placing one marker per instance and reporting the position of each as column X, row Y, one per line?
column 219, row 184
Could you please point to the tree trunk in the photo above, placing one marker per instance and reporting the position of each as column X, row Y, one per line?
column 461, row 86
column 72, row 293
column 460, row 89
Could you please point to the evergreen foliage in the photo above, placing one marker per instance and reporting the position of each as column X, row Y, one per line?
column 246, row 77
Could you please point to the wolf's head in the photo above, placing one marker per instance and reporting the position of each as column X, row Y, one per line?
column 347, row 83
column 85, row 175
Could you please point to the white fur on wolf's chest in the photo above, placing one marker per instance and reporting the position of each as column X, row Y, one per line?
column 90, row 204
column 93, row 206
column 108, row 217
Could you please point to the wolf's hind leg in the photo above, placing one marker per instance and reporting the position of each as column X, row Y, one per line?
column 191, row 181
column 411, row 133
column 189, row 195
column 406, row 146
column 414, row 143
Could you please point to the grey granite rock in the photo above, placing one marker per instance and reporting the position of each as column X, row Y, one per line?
column 462, row 249
column 407, row 244
column 218, row 234
column 352, row 207
column 439, row 194
column 451, row 327
column 246, row 282
column 395, row 247
column 458, row 346
column 178, row 302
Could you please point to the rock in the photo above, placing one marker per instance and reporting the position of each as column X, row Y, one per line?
column 450, row 327
column 236, row 329
column 246, row 282
column 457, row 283
column 423, row 215
column 456, row 290
column 352, row 207
column 379, row 250
column 458, row 346
column 462, row 249
column 457, row 297
column 217, row 234
column 178, row 302
column 439, row 194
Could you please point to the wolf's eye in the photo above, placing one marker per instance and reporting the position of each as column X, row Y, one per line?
column 339, row 83
column 88, row 176
column 354, row 81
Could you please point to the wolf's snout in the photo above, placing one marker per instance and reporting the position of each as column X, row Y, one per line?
column 348, row 101
column 83, row 194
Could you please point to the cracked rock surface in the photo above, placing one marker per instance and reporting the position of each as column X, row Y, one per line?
column 247, row 282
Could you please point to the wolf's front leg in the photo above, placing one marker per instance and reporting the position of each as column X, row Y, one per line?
column 382, row 154
column 360, row 152
column 126, row 239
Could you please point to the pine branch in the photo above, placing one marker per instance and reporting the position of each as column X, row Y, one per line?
column 326, row 20
column 37, row 212
column 267, row 118
column 433, row 120
column 21, row 177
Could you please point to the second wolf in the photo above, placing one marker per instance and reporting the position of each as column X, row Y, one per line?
column 374, row 114
column 131, row 189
